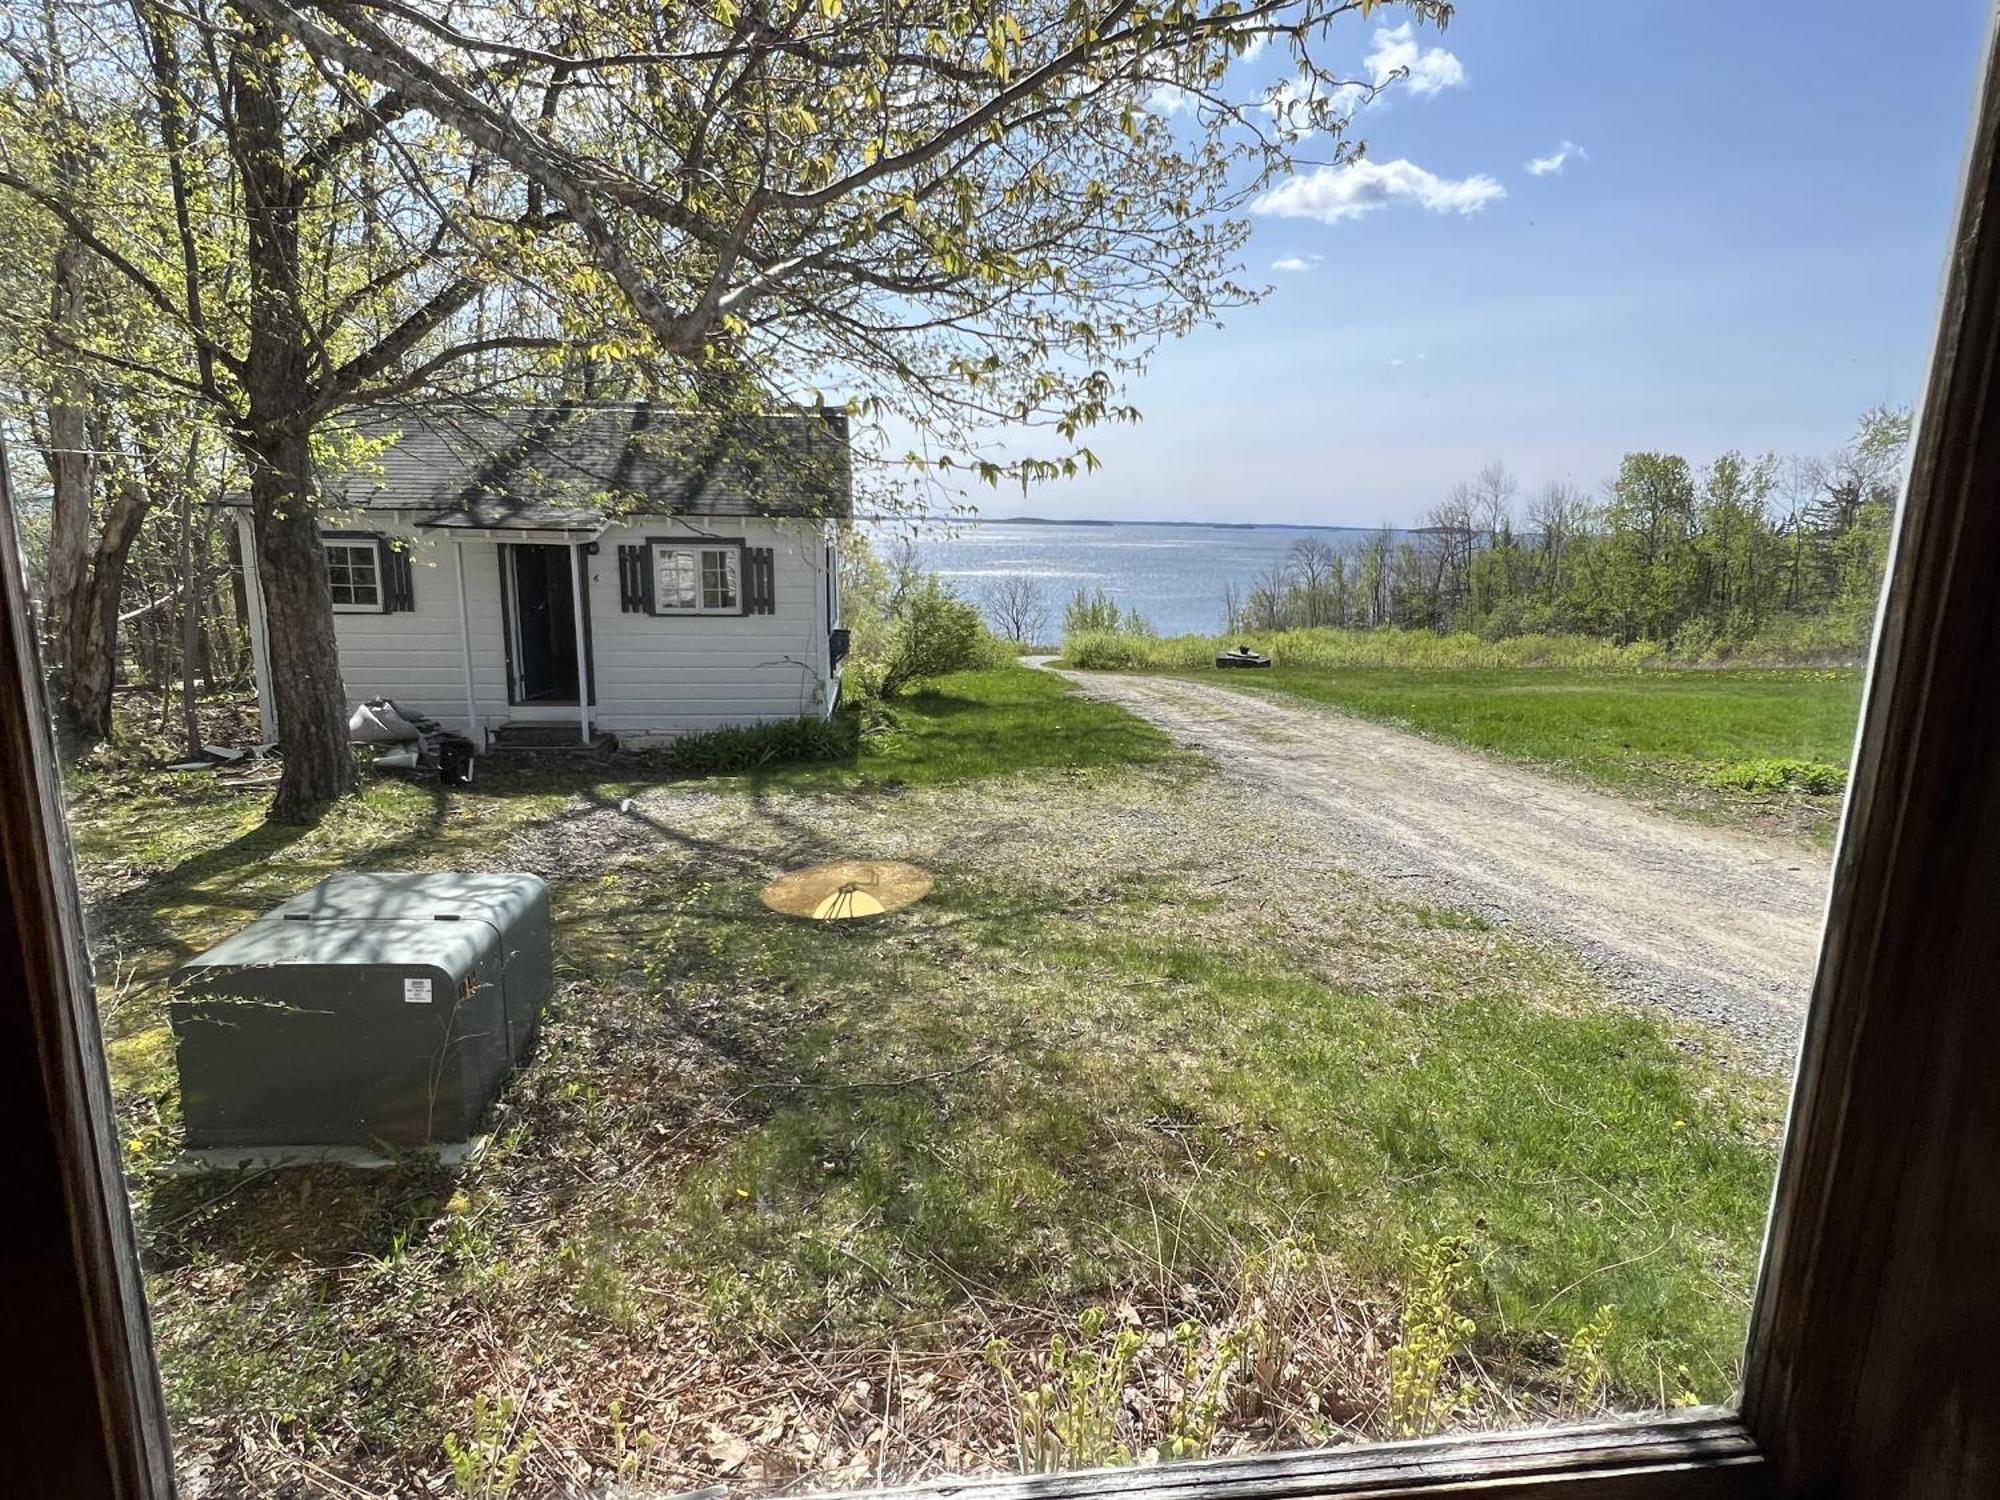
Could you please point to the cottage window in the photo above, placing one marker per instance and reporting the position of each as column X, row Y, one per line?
column 354, row 576
column 697, row 580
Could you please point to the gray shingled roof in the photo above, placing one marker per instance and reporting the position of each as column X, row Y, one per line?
column 567, row 468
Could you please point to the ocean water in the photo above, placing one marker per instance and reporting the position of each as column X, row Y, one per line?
column 1172, row 574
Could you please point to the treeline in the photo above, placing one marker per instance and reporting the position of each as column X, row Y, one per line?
column 1742, row 555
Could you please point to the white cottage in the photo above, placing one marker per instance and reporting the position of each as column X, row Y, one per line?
column 560, row 575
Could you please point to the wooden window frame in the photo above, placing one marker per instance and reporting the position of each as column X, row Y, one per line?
column 699, row 545
column 357, row 541
column 1871, row 1370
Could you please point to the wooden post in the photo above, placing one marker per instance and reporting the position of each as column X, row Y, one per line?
column 582, row 656
column 260, row 640
column 473, row 729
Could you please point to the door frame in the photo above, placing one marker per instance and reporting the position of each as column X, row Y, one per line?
column 586, row 666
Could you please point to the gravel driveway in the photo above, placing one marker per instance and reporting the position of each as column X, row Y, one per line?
column 1717, row 926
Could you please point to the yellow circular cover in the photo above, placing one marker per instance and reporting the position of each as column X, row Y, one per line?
column 847, row 889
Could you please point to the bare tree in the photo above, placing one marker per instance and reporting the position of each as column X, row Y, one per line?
column 1314, row 563
column 1492, row 503
column 1232, row 607
column 1018, row 609
column 1556, row 516
column 1376, row 577
column 903, row 559
column 1266, row 606
column 1446, row 542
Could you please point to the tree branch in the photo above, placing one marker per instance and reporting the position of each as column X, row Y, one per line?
column 377, row 56
column 80, row 226
column 415, row 378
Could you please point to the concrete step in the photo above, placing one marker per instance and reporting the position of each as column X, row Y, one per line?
column 551, row 736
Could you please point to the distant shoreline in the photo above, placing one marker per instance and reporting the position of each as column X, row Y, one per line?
column 1098, row 521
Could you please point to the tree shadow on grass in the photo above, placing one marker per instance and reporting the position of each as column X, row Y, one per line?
column 238, row 881
column 330, row 1215
column 323, row 1215
column 935, row 701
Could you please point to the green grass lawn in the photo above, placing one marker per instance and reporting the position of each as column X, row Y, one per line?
column 979, row 724
column 1655, row 734
column 1052, row 1107
column 755, row 1161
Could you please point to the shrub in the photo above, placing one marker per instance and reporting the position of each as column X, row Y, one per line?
column 905, row 625
column 1809, row 640
column 1422, row 1392
column 1090, row 611
column 1326, row 649
column 1066, row 1415
column 1772, row 774
column 753, row 747
column 1097, row 610
column 486, row 1464
column 1113, row 651
column 861, row 679
column 935, row 633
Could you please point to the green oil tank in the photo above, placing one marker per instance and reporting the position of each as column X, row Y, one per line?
column 370, row 1012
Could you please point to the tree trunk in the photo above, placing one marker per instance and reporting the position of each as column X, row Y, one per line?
column 318, row 766
column 317, row 763
column 88, row 630
column 69, row 595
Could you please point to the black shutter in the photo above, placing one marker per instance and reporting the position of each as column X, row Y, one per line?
column 399, row 589
column 635, row 580
column 760, row 584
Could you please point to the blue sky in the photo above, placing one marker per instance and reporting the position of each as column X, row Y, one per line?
column 1744, row 253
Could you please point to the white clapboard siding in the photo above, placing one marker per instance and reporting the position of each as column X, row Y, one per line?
column 656, row 675
column 417, row 656
column 662, row 675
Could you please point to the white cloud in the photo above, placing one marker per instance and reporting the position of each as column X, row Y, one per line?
column 1543, row 166
column 1169, row 99
column 1331, row 194
column 1292, row 263
column 1427, row 70
column 1291, row 102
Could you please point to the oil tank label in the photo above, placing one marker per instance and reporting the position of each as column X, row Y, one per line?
column 416, row 992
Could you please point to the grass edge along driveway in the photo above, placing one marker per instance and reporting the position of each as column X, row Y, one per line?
column 1734, row 746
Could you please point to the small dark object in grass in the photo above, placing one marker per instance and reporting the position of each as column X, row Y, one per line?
column 1242, row 656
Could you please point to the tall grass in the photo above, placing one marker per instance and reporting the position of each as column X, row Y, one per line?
column 1323, row 649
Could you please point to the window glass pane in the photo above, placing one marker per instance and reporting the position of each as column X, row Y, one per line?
column 677, row 582
column 718, row 578
column 351, row 574
column 1294, row 938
